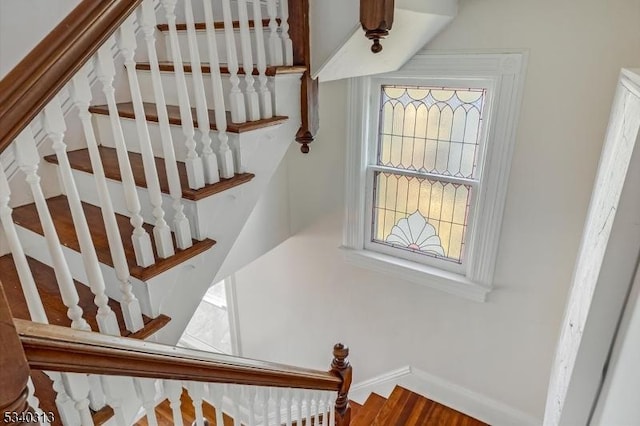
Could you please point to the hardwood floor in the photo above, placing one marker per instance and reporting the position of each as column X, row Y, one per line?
column 406, row 408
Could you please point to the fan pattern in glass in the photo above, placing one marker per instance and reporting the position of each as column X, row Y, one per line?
column 432, row 130
column 443, row 207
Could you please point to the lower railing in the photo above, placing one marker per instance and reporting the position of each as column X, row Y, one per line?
column 250, row 392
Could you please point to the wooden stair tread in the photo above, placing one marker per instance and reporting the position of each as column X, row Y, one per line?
column 125, row 110
column 164, row 413
column 368, row 411
column 406, row 408
column 45, row 279
column 355, row 409
column 271, row 71
column 27, row 216
column 218, row 25
column 80, row 160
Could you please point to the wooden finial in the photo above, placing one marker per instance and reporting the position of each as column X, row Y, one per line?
column 341, row 367
column 376, row 17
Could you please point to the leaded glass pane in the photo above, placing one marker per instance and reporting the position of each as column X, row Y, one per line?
column 424, row 216
column 427, row 129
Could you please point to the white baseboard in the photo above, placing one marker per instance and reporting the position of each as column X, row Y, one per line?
column 481, row 407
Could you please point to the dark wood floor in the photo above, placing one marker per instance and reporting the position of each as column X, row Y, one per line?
column 406, row 408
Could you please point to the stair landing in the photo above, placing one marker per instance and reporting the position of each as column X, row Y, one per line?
column 406, row 408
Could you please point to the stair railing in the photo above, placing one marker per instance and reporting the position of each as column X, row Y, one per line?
column 251, row 392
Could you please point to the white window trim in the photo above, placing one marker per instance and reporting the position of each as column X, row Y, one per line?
column 504, row 72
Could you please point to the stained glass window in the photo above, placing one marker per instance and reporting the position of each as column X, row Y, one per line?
column 426, row 168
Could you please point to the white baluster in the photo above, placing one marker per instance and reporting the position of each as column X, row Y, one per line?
column 28, row 159
column 248, row 395
column 236, row 98
column 161, row 231
column 195, row 172
column 105, row 70
column 233, row 393
column 77, row 387
column 277, row 397
column 325, row 410
column 275, row 42
column 252, row 102
column 196, row 392
column 216, row 397
column 181, row 225
column 114, row 389
column 146, row 391
column 55, row 128
column 225, row 154
column 332, row 412
column 308, row 397
column 263, row 395
column 34, row 403
column 173, row 391
column 65, row 405
column 97, row 398
column 29, row 289
column 81, row 97
column 266, row 109
column 284, row 31
column 209, row 159
column 315, row 408
column 289, row 406
column 300, row 405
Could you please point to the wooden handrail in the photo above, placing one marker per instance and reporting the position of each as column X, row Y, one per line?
column 31, row 84
column 49, row 347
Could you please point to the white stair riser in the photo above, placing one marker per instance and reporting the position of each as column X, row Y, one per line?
column 203, row 48
column 171, row 92
column 105, row 136
column 35, row 247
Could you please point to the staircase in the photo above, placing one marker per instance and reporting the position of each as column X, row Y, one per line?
column 406, row 408
column 130, row 165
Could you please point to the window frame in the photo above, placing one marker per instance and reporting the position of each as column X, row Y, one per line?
column 502, row 74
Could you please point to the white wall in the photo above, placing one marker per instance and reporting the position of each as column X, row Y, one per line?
column 299, row 299
column 23, row 23
column 618, row 403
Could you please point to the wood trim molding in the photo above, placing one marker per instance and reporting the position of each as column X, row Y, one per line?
column 31, row 84
column 299, row 31
column 49, row 347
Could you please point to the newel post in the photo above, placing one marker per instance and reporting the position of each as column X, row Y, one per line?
column 340, row 366
column 14, row 368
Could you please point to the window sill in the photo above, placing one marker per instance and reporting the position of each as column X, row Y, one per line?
column 428, row 276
